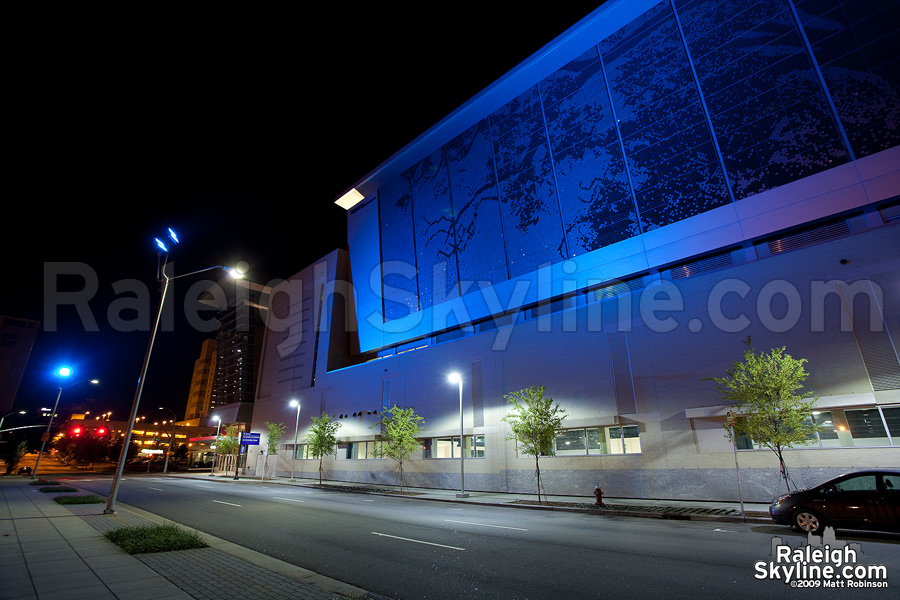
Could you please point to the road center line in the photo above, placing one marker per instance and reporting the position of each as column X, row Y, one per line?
column 228, row 503
column 485, row 525
column 157, row 489
column 416, row 541
column 288, row 499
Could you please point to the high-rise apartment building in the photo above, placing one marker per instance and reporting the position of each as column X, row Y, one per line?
column 200, row 397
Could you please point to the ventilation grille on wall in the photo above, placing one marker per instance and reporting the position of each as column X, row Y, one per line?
column 618, row 288
column 453, row 334
column 703, row 265
column 808, row 237
column 553, row 306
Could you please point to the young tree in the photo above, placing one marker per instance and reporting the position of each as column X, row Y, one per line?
column 227, row 443
column 762, row 389
column 534, row 421
column 322, row 439
column 400, row 428
column 13, row 455
column 275, row 433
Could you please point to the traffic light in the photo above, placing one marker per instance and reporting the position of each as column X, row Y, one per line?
column 101, row 431
column 76, row 431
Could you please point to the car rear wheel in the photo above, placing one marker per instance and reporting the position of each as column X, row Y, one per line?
column 808, row 521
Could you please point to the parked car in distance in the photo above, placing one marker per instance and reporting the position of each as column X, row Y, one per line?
column 860, row 500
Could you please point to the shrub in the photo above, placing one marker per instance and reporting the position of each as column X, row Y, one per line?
column 55, row 489
column 88, row 499
column 155, row 538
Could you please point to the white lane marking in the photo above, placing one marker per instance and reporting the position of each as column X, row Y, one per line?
column 228, row 503
column 288, row 499
column 396, row 537
column 157, row 489
column 206, row 487
column 485, row 525
column 368, row 501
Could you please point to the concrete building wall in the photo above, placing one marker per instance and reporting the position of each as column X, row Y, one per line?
column 577, row 355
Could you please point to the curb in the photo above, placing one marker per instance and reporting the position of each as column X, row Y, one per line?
column 650, row 514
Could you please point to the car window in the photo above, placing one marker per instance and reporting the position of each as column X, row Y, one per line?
column 860, row 483
column 892, row 483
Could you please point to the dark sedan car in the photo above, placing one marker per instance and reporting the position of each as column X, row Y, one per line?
column 861, row 500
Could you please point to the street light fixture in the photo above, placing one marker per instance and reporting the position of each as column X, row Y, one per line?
column 296, row 428
column 19, row 412
column 163, row 250
column 456, row 378
column 171, row 438
column 62, row 373
column 216, row 447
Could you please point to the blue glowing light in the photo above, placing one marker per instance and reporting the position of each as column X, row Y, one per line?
column 64, row 371
column 161, row 245
column 173, row 236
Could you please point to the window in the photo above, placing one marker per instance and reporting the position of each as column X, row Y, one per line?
column 364, row 450
column 593, row 441
column 862, row 483
column 449, row 447
column 875, row 426
column 891, row 483
column 301, row 452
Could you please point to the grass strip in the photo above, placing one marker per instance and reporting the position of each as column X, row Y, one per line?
column 44, row 482
column 88, row 499
column 55, row 489
column 155, row 538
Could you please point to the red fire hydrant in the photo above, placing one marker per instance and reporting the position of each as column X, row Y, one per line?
column 598, row 494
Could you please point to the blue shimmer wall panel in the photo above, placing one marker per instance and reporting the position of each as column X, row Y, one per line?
column 435, row 245
column 770, row 115
column 595, row 199
column 671, row 157
column 398, row 251
column 476, row 208
column 530, row 209
column 855, row 43
column 636, row 132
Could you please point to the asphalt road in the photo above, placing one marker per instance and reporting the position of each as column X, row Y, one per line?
column 412, row 549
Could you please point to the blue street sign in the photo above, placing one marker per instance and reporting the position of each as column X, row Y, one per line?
column 248, row 439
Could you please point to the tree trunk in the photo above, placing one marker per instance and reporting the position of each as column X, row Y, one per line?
column 320, row 470
column 537, row 473
column 783, row 468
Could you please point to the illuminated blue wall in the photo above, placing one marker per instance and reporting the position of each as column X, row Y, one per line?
column 662, row 112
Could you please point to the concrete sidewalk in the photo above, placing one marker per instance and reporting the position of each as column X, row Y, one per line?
column 52, row 551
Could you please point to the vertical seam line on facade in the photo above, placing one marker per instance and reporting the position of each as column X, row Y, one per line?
column 820, row 79
column 562, row 223
column 709, row 123
column 612, row 108
column 490, row 131
column 453, row 219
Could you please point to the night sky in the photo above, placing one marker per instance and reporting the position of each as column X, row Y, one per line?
column 237, row 129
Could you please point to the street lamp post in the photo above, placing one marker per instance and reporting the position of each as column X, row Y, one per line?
column 216, row 447
column 296, row 428
column 456, row 378
column 737, row 469
column 62, row 373
column 3, row 418
column 171, row 438
column 117, row 478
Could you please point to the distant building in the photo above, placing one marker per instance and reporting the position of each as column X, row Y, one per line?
column 242, row 306
column 611, row 219
column 200, row 396
column 16, row 341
